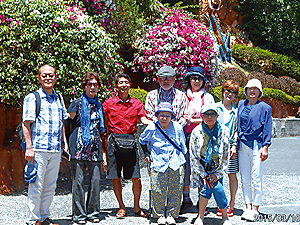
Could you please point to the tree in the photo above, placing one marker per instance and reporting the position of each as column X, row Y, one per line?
column 52, row 32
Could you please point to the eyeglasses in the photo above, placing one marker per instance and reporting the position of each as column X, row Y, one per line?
column 90, row 84
column 212, row 114
column 195, row 78
column 125, row 82
column 164, row 116
column 45, row 75
column 166, row 78
column 231, row 91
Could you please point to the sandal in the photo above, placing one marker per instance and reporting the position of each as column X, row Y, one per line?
column 140, row 213
column 121, row 214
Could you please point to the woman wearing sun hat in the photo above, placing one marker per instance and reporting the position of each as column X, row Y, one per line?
column 254, row 119
column 167, row 150
column 196, row 98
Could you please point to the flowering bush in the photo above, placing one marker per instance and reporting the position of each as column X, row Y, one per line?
column 178, row 41
column 52, row 32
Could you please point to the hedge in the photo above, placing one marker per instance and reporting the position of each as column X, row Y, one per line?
column 266, row 61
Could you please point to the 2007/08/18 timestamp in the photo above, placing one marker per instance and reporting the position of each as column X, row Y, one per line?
column 277, row 218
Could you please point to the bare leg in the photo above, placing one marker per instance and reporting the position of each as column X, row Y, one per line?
column 118, row 191
column 224, row 214
column 202, row 205
column 249, row 206
column 136, row 189
column 255, row 208
column 233, row 185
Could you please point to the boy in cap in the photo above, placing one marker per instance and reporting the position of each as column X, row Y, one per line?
column 167, row 150
column 209, row 146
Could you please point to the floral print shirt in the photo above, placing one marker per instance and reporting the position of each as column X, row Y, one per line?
column 198, row 144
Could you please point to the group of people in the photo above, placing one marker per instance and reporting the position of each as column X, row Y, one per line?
column 193, row 142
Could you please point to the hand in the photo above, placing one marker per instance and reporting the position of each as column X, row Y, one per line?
column 233, row 152
column 263, row 152
column 29, row 154
column 187, row 117
column 210, row 180
column 148, row 160
column 64, row 145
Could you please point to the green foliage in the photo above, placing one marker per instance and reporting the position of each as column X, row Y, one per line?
column 130, row 17
column 266, row 61
column 139, row 94
column 48, row 32
column 268, row 92
column 273, row 24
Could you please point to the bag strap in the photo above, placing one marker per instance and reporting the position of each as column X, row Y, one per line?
column 38, row 103
column 167, row 137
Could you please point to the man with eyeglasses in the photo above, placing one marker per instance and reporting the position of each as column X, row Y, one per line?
column 44, row 140
column 122, row 113
column 166, row 93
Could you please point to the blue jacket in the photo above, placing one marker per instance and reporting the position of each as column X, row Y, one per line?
column 259, row 124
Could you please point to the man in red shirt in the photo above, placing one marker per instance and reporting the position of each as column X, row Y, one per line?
column 122, row 114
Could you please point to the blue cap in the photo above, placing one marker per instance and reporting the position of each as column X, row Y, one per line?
column 165, row 107
column 195, row 70
column 30, row 171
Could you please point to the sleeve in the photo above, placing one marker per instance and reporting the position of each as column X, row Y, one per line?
column 267, row 130
column 146, row 136
column 105, row 108
column 224, row 153
column 64, row 111
column 29, row 108
column 182, row 140
column 141, row 112
column 182, row 110
column 210, row 99
column 235, row 134
column 150, row 106
column 197, row 170
column 73, row 106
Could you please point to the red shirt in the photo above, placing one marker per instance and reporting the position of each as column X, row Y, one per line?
column 123, row 116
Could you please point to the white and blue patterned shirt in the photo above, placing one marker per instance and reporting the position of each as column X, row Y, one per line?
column 163, row 153
column 46, row 130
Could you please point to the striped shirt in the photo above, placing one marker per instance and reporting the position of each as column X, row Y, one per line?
column 177, row 99
column 46, row 130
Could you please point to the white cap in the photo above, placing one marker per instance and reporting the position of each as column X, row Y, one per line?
column 254, row 83
column 207, row 107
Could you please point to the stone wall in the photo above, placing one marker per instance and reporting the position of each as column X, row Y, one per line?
column 285, row 127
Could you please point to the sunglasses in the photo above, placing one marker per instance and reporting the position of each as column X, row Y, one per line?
column 231, row 91
column 195, row 78
column 166, row 78
column 212, row 114
column 45, row 75
column 90, row 84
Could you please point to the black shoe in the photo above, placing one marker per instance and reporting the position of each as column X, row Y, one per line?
column 185, row 206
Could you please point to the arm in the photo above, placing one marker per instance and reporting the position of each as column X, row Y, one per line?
column 182, row 110
column 145, row 121
column 150, row 107
column 29, row 154
column 233, row 150
column 64, row 138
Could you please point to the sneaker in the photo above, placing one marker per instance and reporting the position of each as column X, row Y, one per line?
column 161, row 220
column 170, row 220
column 219, row 213
column 249, row 215
column 229, row 212
column 227, row 222
column 198, row 221
column 185, row 206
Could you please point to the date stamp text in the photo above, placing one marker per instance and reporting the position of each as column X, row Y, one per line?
column 291, row 218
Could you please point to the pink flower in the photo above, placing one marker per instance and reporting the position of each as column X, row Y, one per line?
column 18, row 22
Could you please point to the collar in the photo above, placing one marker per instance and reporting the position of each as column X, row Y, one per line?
column 43, row 93
column 222, row 107
column 120, row 100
